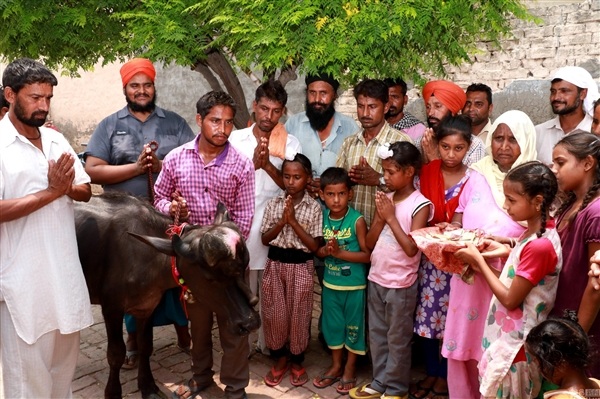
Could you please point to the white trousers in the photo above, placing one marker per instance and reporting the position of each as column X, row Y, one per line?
column 255, row 282
column 42, row 370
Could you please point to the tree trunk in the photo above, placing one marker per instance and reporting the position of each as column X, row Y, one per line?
column 220, row 65
column 287, row 75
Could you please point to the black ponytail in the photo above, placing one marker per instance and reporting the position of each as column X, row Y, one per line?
column 536, row 179
column 582, row 145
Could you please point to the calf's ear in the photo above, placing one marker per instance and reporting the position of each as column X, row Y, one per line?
column 160, row 244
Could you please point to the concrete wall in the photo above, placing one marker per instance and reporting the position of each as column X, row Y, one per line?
column 517, row 73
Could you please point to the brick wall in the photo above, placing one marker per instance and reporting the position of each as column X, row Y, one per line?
column 569, row 34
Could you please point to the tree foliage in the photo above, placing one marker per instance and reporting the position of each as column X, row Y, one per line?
column 70, row 34
column 350, row 39
column 356, row 38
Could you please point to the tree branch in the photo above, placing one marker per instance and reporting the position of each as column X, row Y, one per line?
column 220, row 65
column 288, row 74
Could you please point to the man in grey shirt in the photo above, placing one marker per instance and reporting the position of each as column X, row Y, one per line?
column 119, row 156
column 320, row 129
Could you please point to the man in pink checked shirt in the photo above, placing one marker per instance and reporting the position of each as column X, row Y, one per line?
column 204, row 172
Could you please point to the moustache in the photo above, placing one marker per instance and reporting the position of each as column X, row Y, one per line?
column 39, row 113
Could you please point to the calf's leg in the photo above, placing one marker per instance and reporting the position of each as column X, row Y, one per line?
column 115, row 351
column 146, row 383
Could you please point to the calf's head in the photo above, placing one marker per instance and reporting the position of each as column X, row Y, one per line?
column 213, row 260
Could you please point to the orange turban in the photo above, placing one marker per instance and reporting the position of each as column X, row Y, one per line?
column 137, row 65
column 449, row 94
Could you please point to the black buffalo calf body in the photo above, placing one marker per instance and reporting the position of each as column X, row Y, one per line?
column 126, row 258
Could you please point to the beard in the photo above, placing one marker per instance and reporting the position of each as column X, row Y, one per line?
column 319, row 119
column 567, row 108
column 135, row 107
column 435, row 123
column 393, row 111
column 36, row 119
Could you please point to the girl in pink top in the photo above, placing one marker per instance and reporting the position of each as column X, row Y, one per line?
column 524, row 292
column 392, row 292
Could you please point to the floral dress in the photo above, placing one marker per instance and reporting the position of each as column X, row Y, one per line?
column 505, row 332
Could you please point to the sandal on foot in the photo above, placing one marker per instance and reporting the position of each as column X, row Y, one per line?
column 364, row 392
column 185, row 349
column 323, row 381
column 345, row 386
column 433, row 394
column 298, row 377
column 189, row 390
column 131, row 360
column 419, row 388
column 276, row 376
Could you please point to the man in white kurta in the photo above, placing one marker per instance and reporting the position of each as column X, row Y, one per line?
column 268, row 108
column 44, row 301
column 572, row 95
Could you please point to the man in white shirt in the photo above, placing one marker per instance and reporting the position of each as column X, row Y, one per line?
column 572, row 94
column 266, row 142
column 44, row 301
column 3, row 104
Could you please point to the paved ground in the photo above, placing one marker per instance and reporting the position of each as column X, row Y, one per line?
column 171, row 367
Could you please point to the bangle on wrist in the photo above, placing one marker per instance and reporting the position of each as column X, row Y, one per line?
column 457, row 223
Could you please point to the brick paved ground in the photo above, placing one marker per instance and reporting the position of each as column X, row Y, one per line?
column 171, row 367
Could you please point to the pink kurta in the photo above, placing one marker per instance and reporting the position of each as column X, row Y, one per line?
column 468, row 304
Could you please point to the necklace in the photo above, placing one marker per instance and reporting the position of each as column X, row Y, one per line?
column 35, row 138
column 339, row 227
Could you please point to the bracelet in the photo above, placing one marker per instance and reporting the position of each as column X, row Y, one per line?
column 456, row 223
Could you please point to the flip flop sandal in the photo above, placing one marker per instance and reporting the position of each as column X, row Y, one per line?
column 277, row 376
column 332, row 379
column 131, row 360
column 298, row 377
column 420, row 388
column 350, row 384
column 364, row 392
column 437, row 394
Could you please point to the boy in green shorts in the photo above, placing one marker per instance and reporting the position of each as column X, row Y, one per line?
column 346, row 258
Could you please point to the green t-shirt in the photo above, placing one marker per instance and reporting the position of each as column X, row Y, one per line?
column 341, row 274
